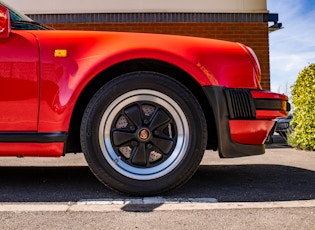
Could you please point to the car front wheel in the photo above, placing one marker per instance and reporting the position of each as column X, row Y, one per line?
column 143, row 133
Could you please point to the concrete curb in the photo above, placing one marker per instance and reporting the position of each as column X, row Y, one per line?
column 149, row 204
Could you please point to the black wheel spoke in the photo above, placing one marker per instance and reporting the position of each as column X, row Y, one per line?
column 159, row 119
column 140, row 155
column 134, row 114
column 121, row 137
column 165, row 145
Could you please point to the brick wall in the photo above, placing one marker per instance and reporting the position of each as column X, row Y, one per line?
column 250, row 29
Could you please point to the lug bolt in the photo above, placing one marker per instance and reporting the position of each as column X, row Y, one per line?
column 132, row 128
column 156, row 132
column 134, row 143
column 149, row 146
column 146, row 121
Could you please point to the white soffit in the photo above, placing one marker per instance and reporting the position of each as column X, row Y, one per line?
column 124, row 6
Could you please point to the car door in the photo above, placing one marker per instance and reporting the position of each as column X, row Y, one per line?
column 19, row 82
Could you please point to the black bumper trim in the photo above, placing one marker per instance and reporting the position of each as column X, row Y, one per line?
column 271, row 104
column 227, row 147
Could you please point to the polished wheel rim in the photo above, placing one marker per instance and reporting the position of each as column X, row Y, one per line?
column 143, row 134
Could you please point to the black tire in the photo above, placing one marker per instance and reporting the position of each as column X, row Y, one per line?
column 143, row 133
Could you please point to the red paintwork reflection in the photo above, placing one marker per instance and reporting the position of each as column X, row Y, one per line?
column 253, row 132
column 268, row 94
column 5, row 27
column 19, row 82
column 270, row 114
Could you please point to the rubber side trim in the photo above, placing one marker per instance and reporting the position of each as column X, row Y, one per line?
column 33, row 137
column 226, row 146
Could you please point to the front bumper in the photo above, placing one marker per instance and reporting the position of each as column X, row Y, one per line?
column 243, row 118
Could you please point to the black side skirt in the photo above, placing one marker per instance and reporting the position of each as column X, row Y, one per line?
column 33, row 137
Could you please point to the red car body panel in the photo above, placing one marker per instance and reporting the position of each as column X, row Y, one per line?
column 43, row 73
column 19, row 83
column 89, row 53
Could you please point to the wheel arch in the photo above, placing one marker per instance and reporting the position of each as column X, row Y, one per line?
column 73, row 141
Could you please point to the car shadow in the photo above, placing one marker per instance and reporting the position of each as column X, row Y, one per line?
column 251, row 183
column 226, row 183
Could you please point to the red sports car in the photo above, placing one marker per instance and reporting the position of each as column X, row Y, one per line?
column 143, row 108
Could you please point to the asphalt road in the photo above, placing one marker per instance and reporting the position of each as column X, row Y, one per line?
column 281, row 175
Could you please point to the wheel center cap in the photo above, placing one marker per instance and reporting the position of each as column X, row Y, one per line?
column 144, row 134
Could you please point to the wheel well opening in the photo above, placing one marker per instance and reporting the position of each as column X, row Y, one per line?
column 73, row 141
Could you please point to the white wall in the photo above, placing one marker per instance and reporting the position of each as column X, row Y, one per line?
column 118, row 6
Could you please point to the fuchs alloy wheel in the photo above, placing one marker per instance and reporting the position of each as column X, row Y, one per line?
column 143, row 134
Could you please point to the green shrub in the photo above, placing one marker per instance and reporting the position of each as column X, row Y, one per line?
column 303, row 98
